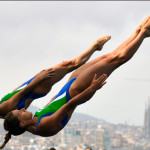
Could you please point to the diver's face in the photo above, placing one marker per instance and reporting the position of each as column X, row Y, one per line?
column 22, row 114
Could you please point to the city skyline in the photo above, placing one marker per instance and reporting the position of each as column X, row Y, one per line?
column 81, row 133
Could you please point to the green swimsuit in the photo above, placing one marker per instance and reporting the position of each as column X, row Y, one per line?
column 62, row 98
column 22, row 101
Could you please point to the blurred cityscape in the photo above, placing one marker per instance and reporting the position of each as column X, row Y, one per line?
column 85, row 131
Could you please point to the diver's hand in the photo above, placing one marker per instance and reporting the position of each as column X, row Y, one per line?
column 98, row 83
column 45, row 74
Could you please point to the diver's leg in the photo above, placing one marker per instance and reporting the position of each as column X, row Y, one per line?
column 134, row 35
column 109, row 63
column 67, row 66
column 123, row 45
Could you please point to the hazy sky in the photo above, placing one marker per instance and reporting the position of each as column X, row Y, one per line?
column 36, row 35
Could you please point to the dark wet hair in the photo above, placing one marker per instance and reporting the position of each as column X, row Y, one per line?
column 7, row 137
column 12, row 125
column 52, row 148
column 89, row 148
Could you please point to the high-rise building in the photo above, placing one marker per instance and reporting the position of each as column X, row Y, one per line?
column 146, row 129
column 99, row 140
column 70, row 136
column 102, row 138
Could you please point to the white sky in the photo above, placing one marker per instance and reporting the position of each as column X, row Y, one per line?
column 36, row 35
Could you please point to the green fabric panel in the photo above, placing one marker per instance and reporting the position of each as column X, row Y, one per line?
column 54, row 106
column 51, row 108
column 9, row 95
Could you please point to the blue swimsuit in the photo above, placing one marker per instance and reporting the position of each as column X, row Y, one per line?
column 22, row 101
column 62, row 98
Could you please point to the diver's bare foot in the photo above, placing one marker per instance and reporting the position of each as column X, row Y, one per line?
column 138, row 29
column 98, row 44
column 146, row 29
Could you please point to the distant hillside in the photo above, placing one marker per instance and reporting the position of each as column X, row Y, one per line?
column 84, row 117
column 75, row 116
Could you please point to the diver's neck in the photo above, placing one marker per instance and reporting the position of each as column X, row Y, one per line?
column 32, row 127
